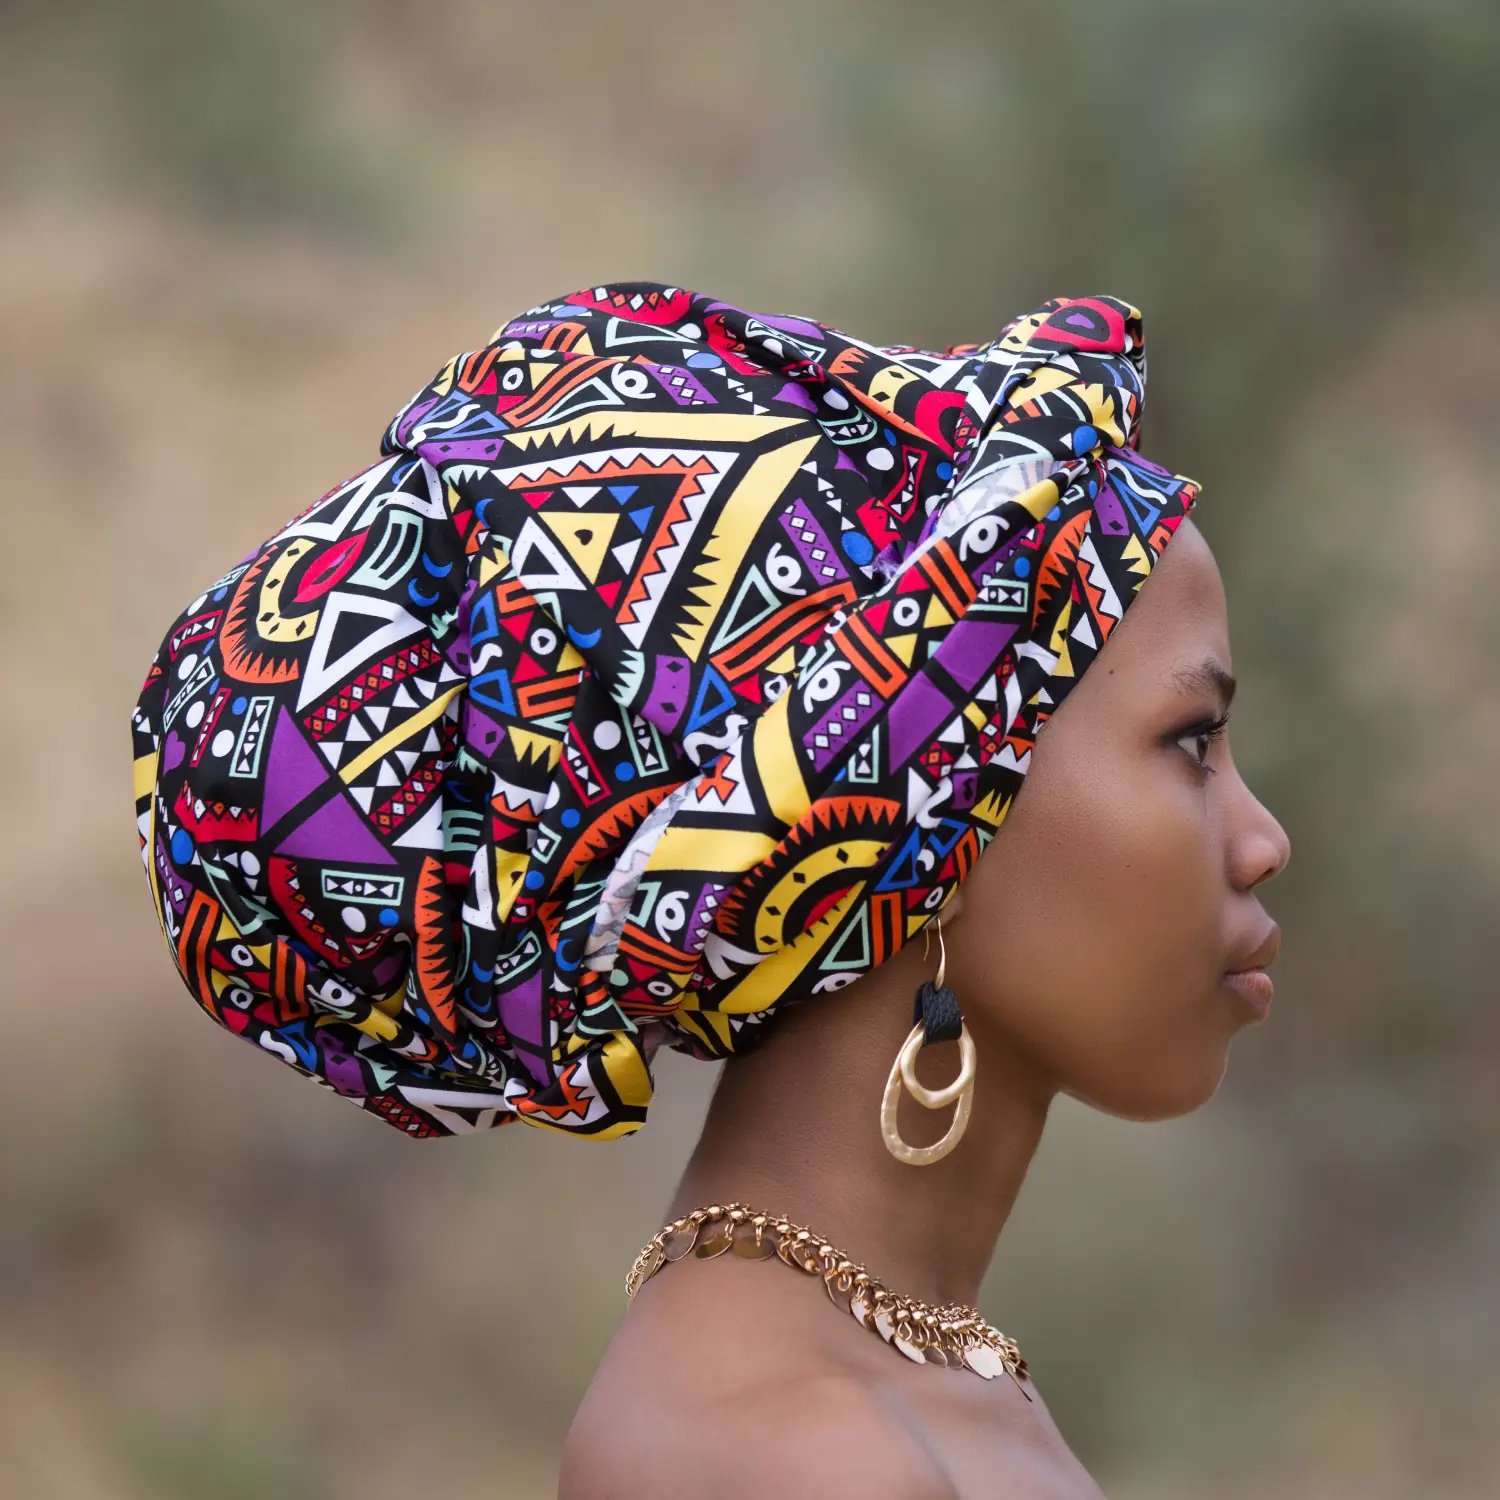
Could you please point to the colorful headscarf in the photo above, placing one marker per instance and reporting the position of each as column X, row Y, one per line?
column 672, row 664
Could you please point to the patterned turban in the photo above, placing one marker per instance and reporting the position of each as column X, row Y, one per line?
column 673, row 663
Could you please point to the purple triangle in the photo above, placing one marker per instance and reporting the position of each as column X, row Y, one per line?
column 336, row 832
column 293, row 770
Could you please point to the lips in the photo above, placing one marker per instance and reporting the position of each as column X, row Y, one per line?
column 1248, row 978
column 1262, row 956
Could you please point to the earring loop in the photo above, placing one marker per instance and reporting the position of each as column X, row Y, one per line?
column 903, row 1072
column 962, row 1088
column 906, row 1059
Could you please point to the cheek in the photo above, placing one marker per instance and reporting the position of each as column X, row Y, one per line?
column 1102, row 919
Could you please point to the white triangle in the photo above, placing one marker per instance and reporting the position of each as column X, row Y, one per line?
column 581, row 494
column 917, row 793
column 987, row 691
column 624, row 554
column 427, row 831
column 377, row 716
column 539, row 562
column 364, row 795
column 332, row 749
column 953, row 734
column 387, row 775
column 426, row 687
column 432, row 745
column 389, row 624
column 408, row 758
column 404, row 699
column 355, row 733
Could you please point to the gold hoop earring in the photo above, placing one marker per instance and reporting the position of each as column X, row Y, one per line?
column 937, row 1018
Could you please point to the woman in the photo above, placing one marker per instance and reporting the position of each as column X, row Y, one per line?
column 674, row 666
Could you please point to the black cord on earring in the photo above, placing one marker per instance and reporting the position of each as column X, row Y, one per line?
column 935, row 1007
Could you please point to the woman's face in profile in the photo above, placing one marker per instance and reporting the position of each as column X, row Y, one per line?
column 1094, row 934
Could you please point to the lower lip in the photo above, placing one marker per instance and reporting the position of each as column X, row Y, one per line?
column 1254, row 987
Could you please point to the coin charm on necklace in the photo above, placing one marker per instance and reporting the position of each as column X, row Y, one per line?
column 952, row 1336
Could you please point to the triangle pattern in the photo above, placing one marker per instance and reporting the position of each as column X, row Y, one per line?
column 335, row 832
column 539, row 562
column 352, row 630
column 755, row 600
column 585, row 537
column 293, row 771
column 713, row 698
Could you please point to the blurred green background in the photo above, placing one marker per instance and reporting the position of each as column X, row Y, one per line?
column 235, row 235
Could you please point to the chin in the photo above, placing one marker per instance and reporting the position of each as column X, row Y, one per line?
column 1161, row 1094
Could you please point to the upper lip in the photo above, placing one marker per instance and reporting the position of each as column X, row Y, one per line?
column 1263, row 955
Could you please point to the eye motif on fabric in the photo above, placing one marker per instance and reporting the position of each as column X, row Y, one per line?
column 671, row 664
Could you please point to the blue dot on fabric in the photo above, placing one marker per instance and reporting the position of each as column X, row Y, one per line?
column 1021, row 567
column 945, row 471
column 389, row 916
column 570, row 818
column 625, row 771
column 704, row 359
column 239, row 705
column 535, row 880
column 1093, row 488
column 858, row 547
column 890, row 437
column 182, row 847
column 1054, row 513
column 1084, row 438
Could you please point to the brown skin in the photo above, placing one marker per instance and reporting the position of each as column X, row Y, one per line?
column 1088, row 948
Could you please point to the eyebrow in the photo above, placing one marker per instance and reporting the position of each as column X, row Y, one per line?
column 1206, row 677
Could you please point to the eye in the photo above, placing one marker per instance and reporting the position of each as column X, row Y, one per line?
column 629, row 381
column 824, row 685
column 1202, row 736
column 906, row 612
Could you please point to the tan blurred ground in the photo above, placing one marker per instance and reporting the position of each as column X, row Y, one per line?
column 217, row 1281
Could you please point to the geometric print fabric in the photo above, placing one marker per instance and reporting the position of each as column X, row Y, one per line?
column 672, row 664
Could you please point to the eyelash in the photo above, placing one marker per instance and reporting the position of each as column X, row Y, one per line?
column 1210, row 731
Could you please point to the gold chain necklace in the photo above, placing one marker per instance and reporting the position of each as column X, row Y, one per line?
column 951, row 1334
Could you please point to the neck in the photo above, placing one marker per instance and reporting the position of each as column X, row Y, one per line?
column 794, row 1129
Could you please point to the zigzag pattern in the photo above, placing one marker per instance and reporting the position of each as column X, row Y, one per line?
column 672, row 662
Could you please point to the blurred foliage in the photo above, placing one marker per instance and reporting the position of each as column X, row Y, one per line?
column 239, row 232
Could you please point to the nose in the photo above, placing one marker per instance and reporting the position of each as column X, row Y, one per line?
column 1260, row 848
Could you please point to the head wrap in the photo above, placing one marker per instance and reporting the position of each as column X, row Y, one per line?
column 673, row 663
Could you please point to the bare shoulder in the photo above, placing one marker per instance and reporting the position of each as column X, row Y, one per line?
column 827, row 1432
